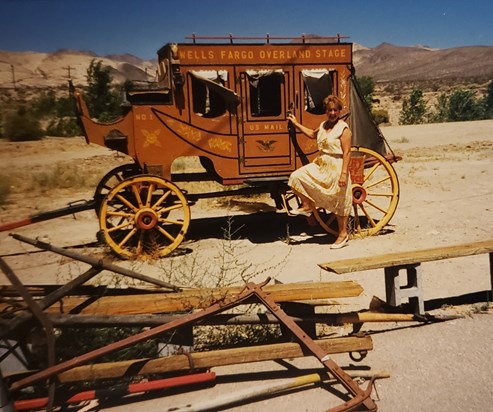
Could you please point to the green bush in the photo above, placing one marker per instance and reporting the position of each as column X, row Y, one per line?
column 64, row 127
column 380, row 116
column 21, row 126
column 463, row 106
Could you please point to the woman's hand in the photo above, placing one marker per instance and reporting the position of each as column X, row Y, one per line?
column 292, row 118
column 343, row 179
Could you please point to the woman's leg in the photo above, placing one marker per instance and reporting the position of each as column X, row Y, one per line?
column 306, row 203
column 342, row 227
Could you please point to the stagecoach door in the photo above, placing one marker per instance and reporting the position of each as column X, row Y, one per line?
column 264, row 143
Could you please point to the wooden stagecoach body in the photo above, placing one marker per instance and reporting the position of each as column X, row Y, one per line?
column 212, row 105
column 226, row 104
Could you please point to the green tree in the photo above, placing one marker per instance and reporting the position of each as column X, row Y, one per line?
column 103, row 101
column 367, row 88
column 441, row 113
column 414, row 108
column 464, row 106
column 44, row 104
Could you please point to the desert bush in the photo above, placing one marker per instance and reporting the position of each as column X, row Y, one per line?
column 380, row 116
column 64, row 127
column 22, row 126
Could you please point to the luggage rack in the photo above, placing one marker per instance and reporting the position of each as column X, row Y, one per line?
column 304, row 38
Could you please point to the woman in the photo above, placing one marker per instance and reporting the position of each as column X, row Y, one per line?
column 325, row 182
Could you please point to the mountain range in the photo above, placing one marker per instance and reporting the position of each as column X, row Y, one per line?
column 385, row 63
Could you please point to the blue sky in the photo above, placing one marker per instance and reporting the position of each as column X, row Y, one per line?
column 141, row 27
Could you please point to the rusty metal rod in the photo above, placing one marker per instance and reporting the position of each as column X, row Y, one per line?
column 76, row 207
column 96, row 263
column 43, row 320
column 70, row 320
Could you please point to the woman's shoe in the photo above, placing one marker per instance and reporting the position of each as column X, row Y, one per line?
column 300, row 212
column 340, row 244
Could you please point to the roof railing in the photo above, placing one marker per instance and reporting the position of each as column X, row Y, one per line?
column 303, row 38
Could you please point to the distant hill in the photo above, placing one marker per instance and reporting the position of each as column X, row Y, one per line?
column 385, row 63
column 395, row 63
column 41, row 70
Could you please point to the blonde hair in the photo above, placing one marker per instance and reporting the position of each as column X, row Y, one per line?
column 334, row 100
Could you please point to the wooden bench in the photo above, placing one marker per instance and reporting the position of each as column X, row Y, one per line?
column 395, row 264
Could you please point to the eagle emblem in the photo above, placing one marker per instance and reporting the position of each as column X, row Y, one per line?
column 266, row 145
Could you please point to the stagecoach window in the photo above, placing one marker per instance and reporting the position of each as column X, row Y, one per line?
column 318, row 85
column 209, row 96
column 265, row 92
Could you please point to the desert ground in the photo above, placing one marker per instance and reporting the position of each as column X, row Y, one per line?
column 446, row 199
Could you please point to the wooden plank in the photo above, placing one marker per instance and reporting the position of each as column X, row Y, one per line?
column 199, row 298
column 404, row 258
column 211, row 359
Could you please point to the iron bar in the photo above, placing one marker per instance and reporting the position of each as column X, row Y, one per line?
column 96, row 263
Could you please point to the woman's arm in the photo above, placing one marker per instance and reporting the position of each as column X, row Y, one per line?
column 311, row 133
column 346, row 142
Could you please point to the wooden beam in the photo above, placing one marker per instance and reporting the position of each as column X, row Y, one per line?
column 198, row 298
column 403, row 258
column 210, row 359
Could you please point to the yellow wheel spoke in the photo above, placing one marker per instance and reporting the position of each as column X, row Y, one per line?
column 356, row 218
column 169, row 209
column 161, row 199
column 380, row 194
column 372, row 222
column 371, row 171
column 375, row 206
column 128, row 237
column 127, row 203
column 119, row 227
column 165, row 233
column 378, row 182
column 152, row 187
column 140, row 242
column 170, row 221
column 136, row 192
column 122, row 214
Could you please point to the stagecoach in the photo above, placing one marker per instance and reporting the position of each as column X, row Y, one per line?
column 223, row 102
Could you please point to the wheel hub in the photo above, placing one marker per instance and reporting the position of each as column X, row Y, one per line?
column 146, row 219
column 359, row 194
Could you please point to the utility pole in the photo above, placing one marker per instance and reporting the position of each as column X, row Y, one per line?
column 13, row 75
column 13, row 71
column 68, row 71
